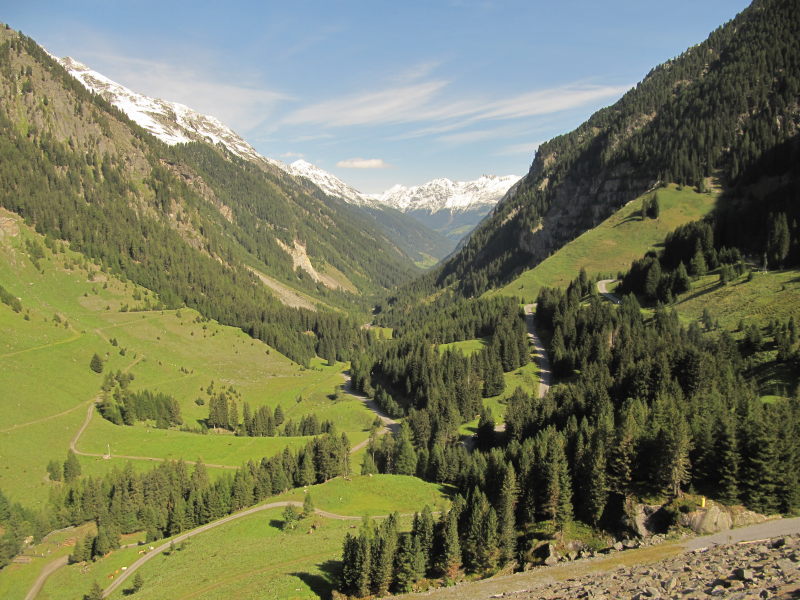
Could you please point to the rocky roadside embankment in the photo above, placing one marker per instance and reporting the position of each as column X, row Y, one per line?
column 743, row 571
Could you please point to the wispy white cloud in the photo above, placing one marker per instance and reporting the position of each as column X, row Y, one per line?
column 362, row 163
column 425, row 102
column 393, row 105
column 313, row 137
column 542, row 102
column 292, row 155
column 514, row 149
column 417, row 71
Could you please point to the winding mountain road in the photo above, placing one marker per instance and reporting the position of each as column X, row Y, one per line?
column 539, row 353
column 602, row 287
column 389, row 424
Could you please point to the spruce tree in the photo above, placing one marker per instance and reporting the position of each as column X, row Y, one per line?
column 506, row 507
column 307, row 475
column 477, row 507
column 72, row 467
column 368, row 465
column 449, row 559
column 81, row 552
column 697, row 266
column 493, row 381
column 489, row 551
column 594, row 474
column 778, row 240
column 384, row 548
column 96, row 364
column 727, row 461
column 356, row 565
column 95, row 593
column 681, row 282
column 405, row 462
column 409, row 563
column 623, row 454
column 138, row 582
column 423, row 530
column 308, row 506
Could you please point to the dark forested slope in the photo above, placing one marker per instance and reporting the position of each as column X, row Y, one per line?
column 184, row 221
column 713, row 111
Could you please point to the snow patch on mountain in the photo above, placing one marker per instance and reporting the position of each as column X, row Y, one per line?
column 175, row 123
column 171, row 122
column 447, row 195
column 329, row 183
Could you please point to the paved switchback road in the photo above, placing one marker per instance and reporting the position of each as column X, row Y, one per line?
column 602, row 287
column 389, row 424
column 539, row 353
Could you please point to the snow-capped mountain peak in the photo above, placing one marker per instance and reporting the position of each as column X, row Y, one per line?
column 329, row 183
column 444, row 194
column 175, row 123
column 171, row 122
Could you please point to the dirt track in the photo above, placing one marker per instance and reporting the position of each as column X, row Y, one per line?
column 165, row 546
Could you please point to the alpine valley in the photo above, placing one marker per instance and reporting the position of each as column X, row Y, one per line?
column 224, row 375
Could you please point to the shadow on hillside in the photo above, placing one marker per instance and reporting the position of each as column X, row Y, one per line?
column 703, row 291
column 322, row 585
column 633, row 216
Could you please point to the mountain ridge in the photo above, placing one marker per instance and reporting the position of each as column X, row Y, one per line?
column 446, row 194
column 687, row 120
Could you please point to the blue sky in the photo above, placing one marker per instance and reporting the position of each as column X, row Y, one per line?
column 378, row 92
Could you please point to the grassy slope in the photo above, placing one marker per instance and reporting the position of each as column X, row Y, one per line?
column 771, row 295
column 47, row 385
column 768, row 296
column 614, row 244
column 242, row 555
column 526, row 377
column 467, row 347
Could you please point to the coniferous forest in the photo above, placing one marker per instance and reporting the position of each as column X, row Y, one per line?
column 636, row 410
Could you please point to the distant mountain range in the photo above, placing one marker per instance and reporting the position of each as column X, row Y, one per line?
column 448, row 207
column 453, row 208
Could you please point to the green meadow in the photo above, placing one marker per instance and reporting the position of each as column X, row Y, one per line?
column 764, row 298
column 615, row 243
column 769, row 295
column 525, row 377
column 244, row 553
column 72, row 310
column 18, row 577
column 466, row 347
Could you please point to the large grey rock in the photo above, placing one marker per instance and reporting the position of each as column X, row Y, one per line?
column 707, row 520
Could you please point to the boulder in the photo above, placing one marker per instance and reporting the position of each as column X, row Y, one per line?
column 547, row 553
column 707, row 520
